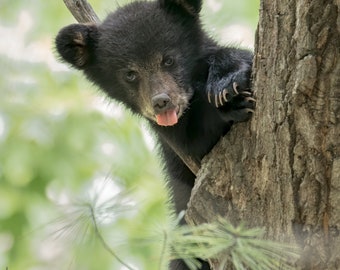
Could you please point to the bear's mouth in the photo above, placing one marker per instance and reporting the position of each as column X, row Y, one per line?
column 169, row 117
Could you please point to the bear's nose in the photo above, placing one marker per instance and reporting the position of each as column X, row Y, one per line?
column 160, row 102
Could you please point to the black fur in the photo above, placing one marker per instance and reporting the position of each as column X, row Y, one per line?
column 154, row 57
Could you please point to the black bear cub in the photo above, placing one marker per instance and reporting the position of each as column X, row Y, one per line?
column 155, row 58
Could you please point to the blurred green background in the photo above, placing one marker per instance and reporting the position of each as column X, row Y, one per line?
column 64, row 146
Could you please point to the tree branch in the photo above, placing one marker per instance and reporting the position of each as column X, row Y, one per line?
column 193, row 164
column 82, row 11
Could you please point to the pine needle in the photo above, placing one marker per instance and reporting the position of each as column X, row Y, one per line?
column 245, row 248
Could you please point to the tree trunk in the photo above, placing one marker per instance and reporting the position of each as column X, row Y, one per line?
column 281, row 170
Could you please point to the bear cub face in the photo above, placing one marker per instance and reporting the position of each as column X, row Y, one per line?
column 142, row 55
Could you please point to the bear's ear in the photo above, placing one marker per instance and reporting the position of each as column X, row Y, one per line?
column 75, row 44
column 191, row 7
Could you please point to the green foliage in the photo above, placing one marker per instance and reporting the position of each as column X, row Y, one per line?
column 60, row 140
column 216, row 13
column 242, row 247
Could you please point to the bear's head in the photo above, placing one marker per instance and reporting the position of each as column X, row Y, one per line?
column 144, row 55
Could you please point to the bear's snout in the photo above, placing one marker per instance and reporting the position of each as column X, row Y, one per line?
column 161, row 103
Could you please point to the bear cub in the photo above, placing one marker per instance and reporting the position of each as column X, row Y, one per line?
column 155, row 58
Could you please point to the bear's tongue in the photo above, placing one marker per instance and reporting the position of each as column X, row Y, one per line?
column 168, row 118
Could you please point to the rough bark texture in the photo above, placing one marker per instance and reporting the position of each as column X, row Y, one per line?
column 281, row 171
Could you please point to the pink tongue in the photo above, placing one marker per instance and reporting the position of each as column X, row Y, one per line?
column 168, row 118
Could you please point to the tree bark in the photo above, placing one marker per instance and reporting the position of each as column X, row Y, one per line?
column 281, row 170
column 82, row 11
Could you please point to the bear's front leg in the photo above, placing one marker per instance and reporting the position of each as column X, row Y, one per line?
column 231, row 94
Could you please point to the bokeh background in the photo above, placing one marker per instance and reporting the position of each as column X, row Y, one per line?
column 64, row 147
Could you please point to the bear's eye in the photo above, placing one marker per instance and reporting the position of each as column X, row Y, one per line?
column 131, row 76
column 168, row 61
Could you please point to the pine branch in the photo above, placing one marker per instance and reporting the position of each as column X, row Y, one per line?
column 244, row 248
column 102, row 240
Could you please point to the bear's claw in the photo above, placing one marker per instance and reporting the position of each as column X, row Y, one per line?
column 221, row 98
